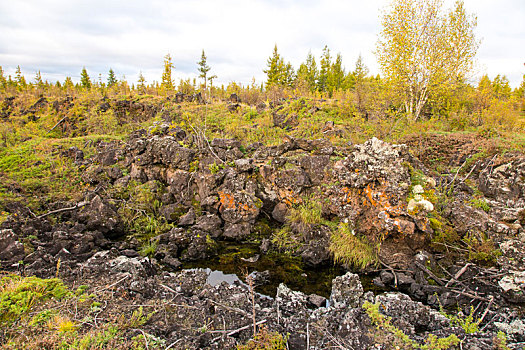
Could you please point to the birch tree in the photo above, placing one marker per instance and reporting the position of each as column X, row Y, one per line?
column 423, row 50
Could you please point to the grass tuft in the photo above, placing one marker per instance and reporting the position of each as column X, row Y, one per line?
column 349, row 249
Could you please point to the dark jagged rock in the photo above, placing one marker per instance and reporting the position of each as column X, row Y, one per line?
column 11, row 249
column 285, row 120
column 261, row 107
column 234, row 98
column 232, row 108
column 210, row 224
column 102, row 216
column 188, row 218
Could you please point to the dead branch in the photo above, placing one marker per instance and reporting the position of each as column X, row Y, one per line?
column 168, row 289
column 470, row 172
column 491, row 298
column 207, row 143
column 245, row 327
column 391, row 270
column 78, row 205
column 469, row 295
column 145, row 338
column 456, row 175
column 458, row 274
column 57, row 124
column 112, row 285
column 229, row 333
column 430, row 273
column 231, row 308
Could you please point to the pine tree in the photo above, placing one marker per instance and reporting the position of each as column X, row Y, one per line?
column 274, row 72
column 336, row 76
column 19, row 78
column 68, row 83
column 308, row 73
column 203, row 68
column 141, row 85
column 38, row 80
column 112, row 79
column 361, row 86
column 3, row 81
column 167, row 82
column 288, row 75
column 326, row 62
column 85, row 81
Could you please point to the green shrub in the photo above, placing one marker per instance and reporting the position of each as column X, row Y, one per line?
column 149, row 248
column 480, row 203
column 395, row 338
column 468, row 323
column 481, row 249
column 500, row 342
column 265, row 340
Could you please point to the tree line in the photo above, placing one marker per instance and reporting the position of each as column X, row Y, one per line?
column 426, row 55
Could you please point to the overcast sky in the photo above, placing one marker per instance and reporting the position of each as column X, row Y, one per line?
column 59, row 37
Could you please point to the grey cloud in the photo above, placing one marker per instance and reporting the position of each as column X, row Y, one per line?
column 59, row 37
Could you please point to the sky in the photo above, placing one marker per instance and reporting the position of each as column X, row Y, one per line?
column 59, row 37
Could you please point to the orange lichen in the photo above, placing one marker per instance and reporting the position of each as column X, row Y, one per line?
column 227, row 200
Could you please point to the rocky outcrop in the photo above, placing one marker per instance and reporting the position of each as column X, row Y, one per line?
column 195, row 195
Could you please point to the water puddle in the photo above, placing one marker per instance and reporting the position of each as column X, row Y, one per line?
column 236, row 261
column 217, row 277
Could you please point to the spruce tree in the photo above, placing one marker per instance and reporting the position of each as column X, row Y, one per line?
column 336, row 77
column 38, row 80
column 288, row 75
column 360, row 71
column 19, row 78
column 326, row 63
column 311, row 72
column 3, row 81
column 141, row 85
column 361, row 85
column 203, row 68
column 275, row 70
column 68, row 83
column 85, row 81
column 112, row 79
column 167, row 82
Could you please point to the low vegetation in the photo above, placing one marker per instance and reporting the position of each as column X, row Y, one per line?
column 390, row 336
column 350, row 250
column 45, row 313
column 265, row 340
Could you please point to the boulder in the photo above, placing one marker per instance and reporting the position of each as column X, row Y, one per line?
column 410, row 315
column 346, row 291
